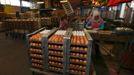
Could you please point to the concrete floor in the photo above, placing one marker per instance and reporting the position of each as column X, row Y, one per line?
column 13, row 57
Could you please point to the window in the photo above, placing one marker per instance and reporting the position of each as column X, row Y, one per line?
column 132, row 4
column 122, row 10
column 26, row 4
column 10, row 2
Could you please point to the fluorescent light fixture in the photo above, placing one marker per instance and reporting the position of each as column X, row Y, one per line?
column 54, row 8
column 40, row 2
column 63, row 1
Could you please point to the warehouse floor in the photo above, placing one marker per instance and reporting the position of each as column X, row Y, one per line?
column 14, row 59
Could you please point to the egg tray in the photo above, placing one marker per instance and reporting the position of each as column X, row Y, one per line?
column 55, row 49
column 42, row 48
column 56, row 43
column 87, row 58
column 34, row 41
column 77, row 57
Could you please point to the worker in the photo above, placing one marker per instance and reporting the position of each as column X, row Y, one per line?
column 94, row 21
column 63, row 23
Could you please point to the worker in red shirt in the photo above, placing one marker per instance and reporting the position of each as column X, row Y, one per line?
column 63, row 23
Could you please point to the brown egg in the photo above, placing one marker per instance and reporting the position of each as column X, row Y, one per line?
column 80, row 61
column 52, row 52
column 77, row 48
column 85, row 49
column 61, row 53
column 84, row 62
column 76, row 66
column 72, row 71
column 76, row 72
column 83, row 73
column 84, row 67
column 85, row 55
column 81, row 55
column 58, row 64
column 79, row 72
column 52, row 46
column 59, row 69
column 77, row 60
column 49, row 46
column 59, row 47
column 58, row 53
column 55, row 46
column 73, row 48
column 77, row 54
column 72, row 60
column 73, row 54
column 62, row 47
column 80, row 67
column 71, row 65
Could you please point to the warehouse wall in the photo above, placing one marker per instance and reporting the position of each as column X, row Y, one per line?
column 13, row 8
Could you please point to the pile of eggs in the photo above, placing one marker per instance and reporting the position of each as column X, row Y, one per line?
column 79, row 48
column 77, row 66
column 55, row 63
column 55, row 58
column 55, row 46
column 35, row 44
column 55, row 52
column 78, row 61
column 57, row 37
column 35, row 50
column 38, row 36
column 79, row 38
column 77, row 72
column 36, row 55
column 78, row 54
column 37, row 65
column 56, row 69
column 37, row 60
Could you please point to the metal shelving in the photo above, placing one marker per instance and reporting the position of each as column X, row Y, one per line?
column 53, row 58
column 36, row 52
column 79, row 55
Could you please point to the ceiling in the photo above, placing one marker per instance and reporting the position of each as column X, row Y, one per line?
column 77, row 2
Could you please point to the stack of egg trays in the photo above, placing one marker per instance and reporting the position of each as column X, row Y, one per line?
column 43, row 47
column 89, row 52
column 64, row 53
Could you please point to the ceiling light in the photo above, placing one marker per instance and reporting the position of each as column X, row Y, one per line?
column 40, row 2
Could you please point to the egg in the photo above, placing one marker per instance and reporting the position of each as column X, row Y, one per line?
column 83, row 73
column 61, row 47
column 85, row 49
column 84, row 62
column 77, row 54
column 73, row 48
column 81, row 55
column 49, row 46
column 73, row 54
column 55, row 46
column 76, row 66
column 80, row 61
column 77, row 48
column 84, row 67
column 72, row 71
column 76, row 72
column 77, row 60
column 85, row 55
column 79, row 72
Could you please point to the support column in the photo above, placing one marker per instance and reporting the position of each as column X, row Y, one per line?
column 21, row 6
column 81, row 8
